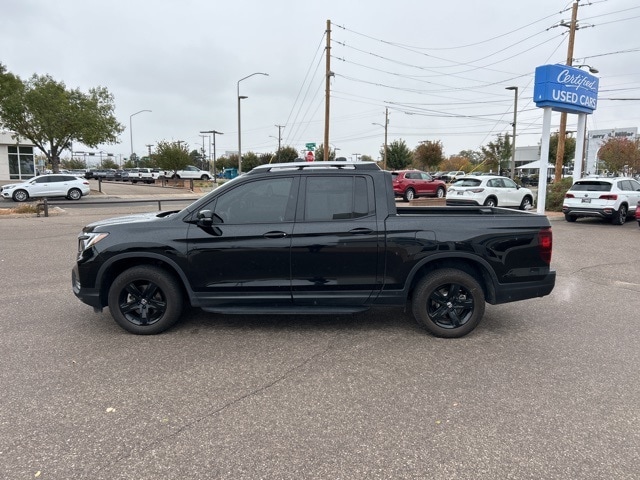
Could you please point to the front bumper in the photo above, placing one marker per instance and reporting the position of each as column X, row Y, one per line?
column 90, row 296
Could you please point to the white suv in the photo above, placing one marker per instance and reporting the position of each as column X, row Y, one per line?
column 604, row 197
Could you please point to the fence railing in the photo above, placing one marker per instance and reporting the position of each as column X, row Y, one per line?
column 45, row 203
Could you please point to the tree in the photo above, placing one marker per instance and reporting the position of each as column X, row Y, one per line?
column 454, row 162
column 319, row 154
column 110, row 164
column 286, row 154
column 398, row 155
column 74, row 164
column 249, row 161
column 172, row 156
column 199, row 159
column 265, row 158
column 474, row 156
column 366, row 158
column 428, row 155
column 619, row 152
column 496, row 155
column 52, row 117
column 569, row 149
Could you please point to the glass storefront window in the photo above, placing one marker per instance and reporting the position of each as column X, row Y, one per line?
column 21, row 166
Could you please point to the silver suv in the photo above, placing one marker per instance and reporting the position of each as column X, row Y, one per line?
column 605, row 197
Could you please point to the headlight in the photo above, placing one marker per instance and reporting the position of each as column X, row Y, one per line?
column 88, row 240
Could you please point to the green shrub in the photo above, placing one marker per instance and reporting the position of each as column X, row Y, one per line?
column 555, row 194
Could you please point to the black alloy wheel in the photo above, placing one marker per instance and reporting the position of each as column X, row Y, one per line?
column 620, row 216
column 145, row 300
column 448, row 303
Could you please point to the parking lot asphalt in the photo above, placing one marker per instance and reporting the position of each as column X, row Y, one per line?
column 544, row 388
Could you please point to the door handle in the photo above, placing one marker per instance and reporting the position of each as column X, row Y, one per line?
column 361, row 231
column 275, row 235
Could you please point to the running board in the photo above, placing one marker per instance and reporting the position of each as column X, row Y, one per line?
column 280, row 310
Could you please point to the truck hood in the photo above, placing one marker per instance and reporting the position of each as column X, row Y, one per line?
column 128, row 219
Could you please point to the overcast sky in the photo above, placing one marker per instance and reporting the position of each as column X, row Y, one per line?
column 441, row 68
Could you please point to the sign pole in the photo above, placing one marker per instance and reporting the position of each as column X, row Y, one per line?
column 577, row 162
column 544, row 159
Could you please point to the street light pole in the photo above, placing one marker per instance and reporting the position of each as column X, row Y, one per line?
column 239, row 123
column 515, row 118
column 131, row 128
column 213, row 134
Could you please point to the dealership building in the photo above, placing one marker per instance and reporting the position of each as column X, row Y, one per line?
column 17, row 159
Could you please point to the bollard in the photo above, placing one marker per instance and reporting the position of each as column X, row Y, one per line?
column 46, row 207
column 100, row 184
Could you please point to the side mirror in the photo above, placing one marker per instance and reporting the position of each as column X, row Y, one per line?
column 206, row 219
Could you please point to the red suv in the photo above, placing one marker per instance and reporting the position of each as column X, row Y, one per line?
column 410, row 184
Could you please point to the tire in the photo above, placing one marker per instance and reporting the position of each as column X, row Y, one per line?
column 205, row 177
column 570, row 218
column 527, row 203
column 20, row 196
column 490, row 202
column 620, row 216
column 440, row 193
column 145, row 300
column 175, row 176
column 409, row 195
column 448, row 303
column 74, row 194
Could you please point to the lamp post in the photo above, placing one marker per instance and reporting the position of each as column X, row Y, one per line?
column 384, row 158
column 515, row 118
column 213, row 134
column 239, row 124
column 131, row 128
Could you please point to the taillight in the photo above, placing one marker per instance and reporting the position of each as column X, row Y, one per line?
column 569, row 195
column 610, row 196
column 545, row 241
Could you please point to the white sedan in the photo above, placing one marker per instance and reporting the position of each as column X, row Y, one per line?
column 53, row 185
column 490, row 191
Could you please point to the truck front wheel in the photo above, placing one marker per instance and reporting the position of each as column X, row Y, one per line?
column 448, row 303
column 145, row 300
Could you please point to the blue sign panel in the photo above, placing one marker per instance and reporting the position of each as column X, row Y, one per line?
column 565, row 89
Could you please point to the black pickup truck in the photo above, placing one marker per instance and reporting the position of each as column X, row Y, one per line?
column 318, row 238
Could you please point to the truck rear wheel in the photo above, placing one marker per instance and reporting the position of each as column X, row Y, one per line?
column 448, row 303
column 145, row 300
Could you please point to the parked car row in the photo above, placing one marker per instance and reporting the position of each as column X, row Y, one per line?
column 148, row 175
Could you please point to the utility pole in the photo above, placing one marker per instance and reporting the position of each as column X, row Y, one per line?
column 204, row 153
column 386, row 127
column 563, row 116
column 149, row 145
column 280, row 127
column 327, row 91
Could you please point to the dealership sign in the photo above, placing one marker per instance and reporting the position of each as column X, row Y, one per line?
column 565, row 89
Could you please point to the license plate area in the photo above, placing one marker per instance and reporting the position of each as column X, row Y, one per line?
column 586, row 200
